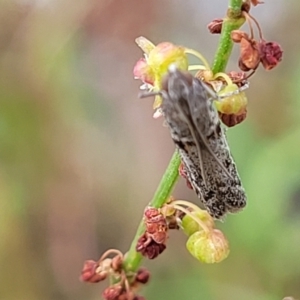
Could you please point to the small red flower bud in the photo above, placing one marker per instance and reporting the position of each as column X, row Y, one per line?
column 142, row 276
column 89, row 272
column 112, row 292
column 215, row 26
column 270, row 54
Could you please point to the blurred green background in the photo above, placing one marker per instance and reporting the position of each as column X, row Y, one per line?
column 81, row 156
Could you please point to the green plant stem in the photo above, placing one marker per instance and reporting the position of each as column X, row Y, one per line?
column 133, row 258
column 231, row 22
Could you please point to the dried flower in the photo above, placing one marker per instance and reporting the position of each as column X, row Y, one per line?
column 249, row 54
column 156, row 225
column 270, row 54
column 215, row 26
column 148, row 247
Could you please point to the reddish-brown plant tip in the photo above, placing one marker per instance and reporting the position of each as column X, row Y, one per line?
column 112, row 292
column 233, row 119
column 215, row 26
column 142, row 276
column 270, row 54
column 89, row 272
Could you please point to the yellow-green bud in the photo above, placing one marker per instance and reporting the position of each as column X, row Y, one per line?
column 235, row 103
column 208, row 247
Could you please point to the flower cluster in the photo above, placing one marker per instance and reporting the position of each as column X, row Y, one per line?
column 230, row 96
column 157, row 59
column 124, row 287
column 252, row 51
column 153, row 241
column 205, row 243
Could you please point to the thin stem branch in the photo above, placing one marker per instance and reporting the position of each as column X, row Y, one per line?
column 233, row 21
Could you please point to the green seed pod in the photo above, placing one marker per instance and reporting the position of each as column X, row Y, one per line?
column 208, row 247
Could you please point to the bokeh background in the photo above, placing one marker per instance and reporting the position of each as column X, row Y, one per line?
column 81, row 155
